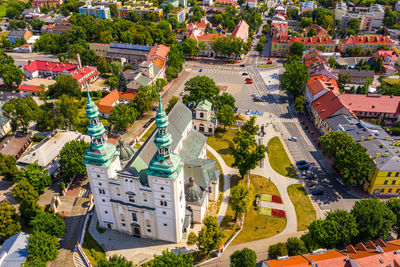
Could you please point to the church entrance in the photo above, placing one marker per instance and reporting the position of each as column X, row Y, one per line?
column 136, row 229
column 201, row 128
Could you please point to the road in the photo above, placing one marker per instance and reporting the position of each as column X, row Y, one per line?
column 21, row 59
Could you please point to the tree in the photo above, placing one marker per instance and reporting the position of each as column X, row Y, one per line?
column 394, row 205
column 243, row 258
column 247, row 153
column 343, row 79
column 65, row 85
column 210, row 236
column 305, row 22
column 226, row 115
column 260, row 47
column 113, row 82
column 36, row 175
column 175, row 61
column 171, row 103
column 390, row 18
column 114, row 261
column 24, row 191
column 277, row 250
column 311, row 32
column 297, row 49
column 9, row 224
column 67, row 112
column 169, row 258
column 250, row 126
column 21, row 111
column 121, row 116
column 353, row 24
column 332, row 62
column 299, row 103
column 295, row 246
column 374, row 219
column 132, row 16
column 11, row 75
column 325, row 233
column 8, row 167
column 225, row 99
column 189, row 47
column 142, row 102
column 241, row 198
column 378, row 65
column 42, row 247
column 28, row 210
column 122, row 82
column 347, row 226
column 71, row 158
column 201, row 88
column 49, row 223
column 333, row 142
column 174, row 22
column 103, row 66
column 294, row 77
column 116, row 68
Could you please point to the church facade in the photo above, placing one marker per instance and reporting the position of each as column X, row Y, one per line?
column 158, row 191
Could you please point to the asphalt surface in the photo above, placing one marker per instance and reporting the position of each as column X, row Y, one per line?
column 21, row 59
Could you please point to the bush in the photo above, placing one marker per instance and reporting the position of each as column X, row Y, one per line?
column 192, row 238
column 62, row 185
column 277, row 250
column 38, row 138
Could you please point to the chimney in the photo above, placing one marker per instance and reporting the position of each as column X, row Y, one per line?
column 370, row 244
column 380, row 242
column 78, row 57
column 361, row 247
column 351, row 249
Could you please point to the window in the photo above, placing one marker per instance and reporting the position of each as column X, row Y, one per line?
column 390, row 190
column 164, row 212
column 165, row 224
column 394, row 182
column 163, row 203
column 386, row 182
column 106, row 212
column 389, row 174
column 148, row 223
column 134, row 217
column 101, row 191
column 162, row 196
column 144, row 197
column 103, row 200
column 98, row 175
column 398, row 190
column 131, row 198
column 161, row 188
column 397, row 174
column 209, row 189
column 100, row 184
column 123, row 225
column 149, row 230
column 201, row 115
column 382, row 190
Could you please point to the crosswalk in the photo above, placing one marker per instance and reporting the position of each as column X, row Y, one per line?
column 221, row 71
column 84, row 193
column 284, row 120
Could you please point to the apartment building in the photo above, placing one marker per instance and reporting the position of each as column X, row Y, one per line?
column 367, row 43
column 340, row 10
column 139, row 10
column 280, row 45
column 379, row 13
column 99, row 12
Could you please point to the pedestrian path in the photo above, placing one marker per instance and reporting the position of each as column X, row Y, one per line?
column 272, row 205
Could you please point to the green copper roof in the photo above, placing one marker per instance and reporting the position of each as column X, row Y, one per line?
column 205, row 105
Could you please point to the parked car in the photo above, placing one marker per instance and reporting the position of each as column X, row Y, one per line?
column 311, row 185
column 311, row 176
column 200, row 70
column 317, row 192
column 242, row 65
column 257, row 99
column 269, row 62
column 304, row 167
column 247, row 112
column 155, row 108
column 182, row 93
column 305, row 173
column 292, row 138
column 249, row 81
column 245, row 74
column 301, row 162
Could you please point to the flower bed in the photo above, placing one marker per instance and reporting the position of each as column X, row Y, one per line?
column 264, row 211
column 278, row 213
column 276, row 199
column 266, row 197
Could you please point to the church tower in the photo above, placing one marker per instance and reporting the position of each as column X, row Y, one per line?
column 166, row 179
column 102, row 163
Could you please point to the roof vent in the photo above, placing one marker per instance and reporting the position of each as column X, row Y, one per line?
column 397, row 252
column 282, row 258
column 319, row 251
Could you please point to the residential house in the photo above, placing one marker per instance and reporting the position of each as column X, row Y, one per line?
column 99, row 12
column 47, row 152
column 14, row 251
column 251, row 3
column 30, row 90
column 210, row 10
column 366, row 43
column 16, row 144
column 357, row 76
column 25, row 48
column 204, row 119
column 158, row 52
column 107, row 103
column 201, row 25
column 85, row 76
column 319, row 85
column 388, row 58
column 241, row 31
column 60, row 28
column 208, row 3
column 13, row 35
column 308, row 5
column 280, row 45
column 147, row 74
column 114, row 5
column 175, row 3
column 393, row 33
column 340, row 10
column 279, row 28
column 317, row 63
column 366, row 20
column 372, row 106
column 5, row 123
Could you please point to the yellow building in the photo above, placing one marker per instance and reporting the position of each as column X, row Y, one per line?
column 113, row 5
column 367, row 43
column 280, row 45
column 139, row 10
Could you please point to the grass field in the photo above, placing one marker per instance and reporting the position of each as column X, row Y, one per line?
column 391, row 81
column 278, row 158
column 266, row 65
column 304, row 209
column 148, row 132
column 92, row 249
column 213, row 206
column 222, row 142
column 3, row 10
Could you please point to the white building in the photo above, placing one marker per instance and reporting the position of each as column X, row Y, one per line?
column 340, row 10
column 251, row 3
column 379, row 13
column 204, row 120
column 161, row 189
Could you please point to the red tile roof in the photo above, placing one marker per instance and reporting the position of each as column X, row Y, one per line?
column 225, row 2
column 382, row 54
column 314, row 58
column 321, row 32
column 105, row 105
column 366, row 40
column 50, row 66
column 205, row 37
column 160, row 51
column 327, row 105
column 294, row 261
column 312, row 40
column 319, row 83
column 279, row 28
column 369, row 103
column 84, row 74
column 29, row 88
column 159, row 63
column 241, row 30
column 328, row 259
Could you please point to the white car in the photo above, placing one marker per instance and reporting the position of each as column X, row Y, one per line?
column 305, row 173
column 292, row 138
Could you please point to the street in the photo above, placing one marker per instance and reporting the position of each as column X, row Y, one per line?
column 21, row 59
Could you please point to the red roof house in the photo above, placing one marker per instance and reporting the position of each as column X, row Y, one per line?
column 158, row 51
column 107, row 103
column 241, row 31
column 39, row 67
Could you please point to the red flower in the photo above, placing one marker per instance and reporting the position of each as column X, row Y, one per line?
column 276, row 199
column 278, row 213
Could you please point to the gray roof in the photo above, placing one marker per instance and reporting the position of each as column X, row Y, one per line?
column 192, row 145
column 19, row 33
column 383, row 148
column 120, row 51
column 203, row 171
column 340, row 119
column 15, row 250
column 356, row 73
column 125, row 151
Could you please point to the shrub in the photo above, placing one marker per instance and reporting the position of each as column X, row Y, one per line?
column 192, row 238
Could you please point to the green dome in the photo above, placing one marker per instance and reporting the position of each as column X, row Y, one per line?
column 125, row 151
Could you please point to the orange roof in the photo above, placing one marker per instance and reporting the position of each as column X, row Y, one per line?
column 372, row 103
column 159, row 63
column 29, row 88
column 225, row 2
column 327, row 105
column 314, row 58
column 366, row 40
column 105, row 104
column 319, row 83
column 327, row 259
column 126, row 95
column 241, row 30
column 312, row 40
column 382, row 54
column 295, row 261
column 160, row 51
column 321, row 32
column 205, row 37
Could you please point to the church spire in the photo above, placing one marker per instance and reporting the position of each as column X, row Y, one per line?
column 163, row 139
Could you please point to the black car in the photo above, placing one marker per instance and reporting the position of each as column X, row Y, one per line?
column 317, row 192
column 301, row 162
column 310, row 176
column 311, row 185
column 303, row 167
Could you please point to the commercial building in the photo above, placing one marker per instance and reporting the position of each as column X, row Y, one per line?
column 99, row 12
column 321, row 32
column 132, row 54
column 13, row 35
column 160, row 52
column 38, row 68
column 101, row 50
column 369, row 43
column 308, row 5
column 319, row 85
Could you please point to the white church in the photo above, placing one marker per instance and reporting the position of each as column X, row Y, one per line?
column 158, row 191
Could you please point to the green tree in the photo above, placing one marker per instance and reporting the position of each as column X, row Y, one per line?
column 174, row 22
column 241, row 199
column 175, row 61
column 225, row 99
column 250, row 126
column 297, row 49
column 116, row 68
column 121, row 116
column 333, row 63
column 132, row 16
column 243, row 258
column 65, row 85
column 295, row 246
column 189, row 47
column 210, row 236
column 28, row 210
column 277, row 250
column 390, row 18
column 36, row 175
column 9, row 224
column 343, row 79
column 260, row 47
column 299, row 103
column 11, row 75
column 71, row 158
column 169, row 258
column 347, row 226
column 24, row 191
column 378, row 65
column 374, row 219
column 8, row 167
column 21, row 111
column 266, row 29
column 312, row 33
column 394, row 205
column 171, row 103
column 142, row 102
column 67, row 112
column 226, row 115
column 113, row 82
column 42, row 247
column 201, row 88
column 247, row 153
column 122, row 82
column 48, row 223
column 354, row 24
column 114, row 261
column 325, row 233
column 103, row 66
column 294, row 77
column 333, row 142
column 305, row 22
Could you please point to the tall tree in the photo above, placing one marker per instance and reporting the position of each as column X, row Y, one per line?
column 394, row 205
column 24, row 191
column 9, row 224
column 241, row 199
column 250, row 126
column 122, row 82
column 171, row 103
column 210, row 236
column 67, row 85
column 189, row 47
column 142, row 102
column 294, row 77
column 297, row 49
column 49, row 223
column 8, row 167
column 116, row 68
column 348, row 228
column 374, row 219
column 277, row 250
column 225, row 99
column 121, row 116
column 243, row 258
column 333, row 142
column 11, row 75
column 67, row 112
column 169, row 258
column 71, row 158
column 42, row 247
column 325, row 233
column 21, row 111
column 295, row 246
column 36, row 175
column 28, row 210
column 299, row 103
column 226, row 115
column 201, row 88
column 103, row 66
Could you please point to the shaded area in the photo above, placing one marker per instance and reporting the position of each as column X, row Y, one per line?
column 278, row 158
column 305, row 212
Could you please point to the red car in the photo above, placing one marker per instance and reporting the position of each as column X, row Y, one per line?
column 249, row 81
column 269, row 62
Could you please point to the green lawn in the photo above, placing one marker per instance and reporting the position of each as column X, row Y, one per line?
column 304, row 209
column 254, row 224
column 266, row 65
column 213, row 206
column 92, row 249
column 278, row 158
column 222, row 142
column 3, row 10
column 391, row 81
column 148, row 132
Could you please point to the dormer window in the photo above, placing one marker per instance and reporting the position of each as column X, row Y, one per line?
column 201, row 115
column 162, row 131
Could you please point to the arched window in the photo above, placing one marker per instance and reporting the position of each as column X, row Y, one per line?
column 201, row 115
column 144, row 197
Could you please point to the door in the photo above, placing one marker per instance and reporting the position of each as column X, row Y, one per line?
column 136, row 230
column 201, row 128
